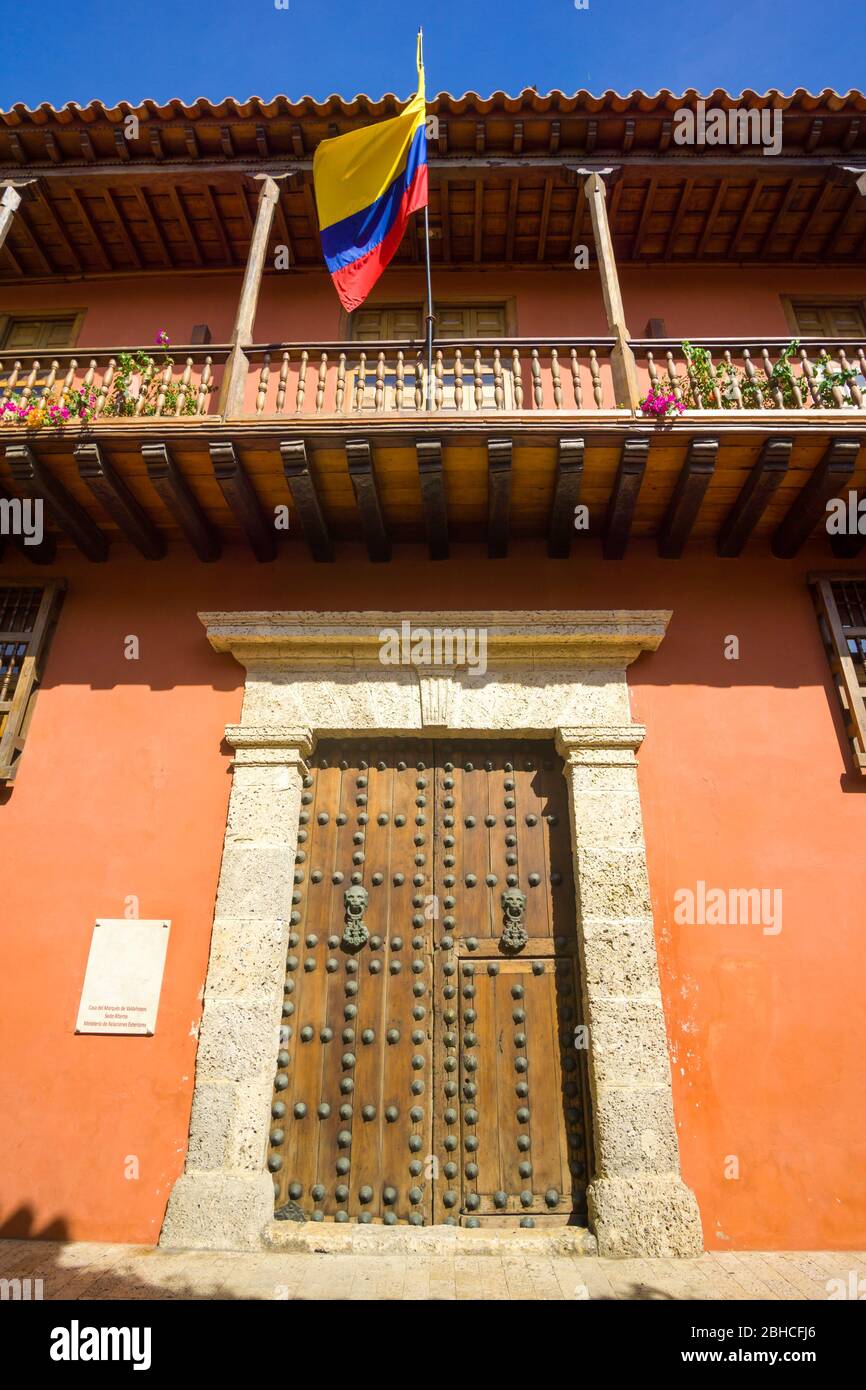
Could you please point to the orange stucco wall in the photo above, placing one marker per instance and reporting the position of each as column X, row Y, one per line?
column 123, row 791
column 303, row 307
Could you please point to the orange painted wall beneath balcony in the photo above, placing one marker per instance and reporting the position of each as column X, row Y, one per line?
column 303, row 307
column 123, row 791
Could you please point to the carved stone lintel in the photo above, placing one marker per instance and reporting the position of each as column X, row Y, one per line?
column 440, row 698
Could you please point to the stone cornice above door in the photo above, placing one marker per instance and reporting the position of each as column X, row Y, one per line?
column 522, row 640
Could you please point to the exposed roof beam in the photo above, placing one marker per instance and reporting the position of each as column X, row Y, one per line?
column 623, row 499
column 238, row 491
column 186, row 228
column 33, row 477
column 810, row 505
column 768, row 472
column 48, row 208
column 111, row 491
column 360, row 462
column 432, row 480
column 120, row 222
column 498, row 497
column 566, row 496
column 305, row 496
column 95, row 235
column 174, row 492
column 693, row 481
column 545, row 218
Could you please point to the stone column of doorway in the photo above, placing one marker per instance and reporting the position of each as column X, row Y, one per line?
column 225, row 1198
column 638, row 1202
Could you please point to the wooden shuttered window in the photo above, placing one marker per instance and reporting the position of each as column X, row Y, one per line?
column 840, row 601
column 837, row 320
column 27, row 616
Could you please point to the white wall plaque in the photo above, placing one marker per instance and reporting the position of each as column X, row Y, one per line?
column 123, row 979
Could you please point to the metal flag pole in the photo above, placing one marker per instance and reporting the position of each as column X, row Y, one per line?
column 429, row 402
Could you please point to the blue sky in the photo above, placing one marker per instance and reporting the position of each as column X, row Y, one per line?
column 117, row 50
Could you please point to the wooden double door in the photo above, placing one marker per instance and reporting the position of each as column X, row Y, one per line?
column 431, row 1064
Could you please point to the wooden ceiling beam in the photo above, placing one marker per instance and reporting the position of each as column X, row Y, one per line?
column 810, row 505
column 743, row 220
column 824, row 195
column 479, row 219
column 498, row 497
column 511, row 228
column 306, row 499
column 432, row 479
column 646, row 213
column 626, row 490
column 123, row 228
column 846, row 216
column 363, row 478
column 692, row 483
column 710, row 223
column 60, row 231
column 93, row 231
column 185, row 226
column 156, row 230
column 769, row 470
column 31, row 475
column 217, row 220
column 679, row 215
column 444, row 202
column 24, row 223
column 545, row 218
column 779, row 216
column 16, row 264
column 236, row 488
column 566, row 496
column 112, row 493
column 174, row 492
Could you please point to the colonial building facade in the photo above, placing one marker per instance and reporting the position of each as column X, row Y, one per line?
column 489, row 745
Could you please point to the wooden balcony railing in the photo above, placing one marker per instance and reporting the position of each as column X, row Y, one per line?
column 183, row 382
column 521, row 376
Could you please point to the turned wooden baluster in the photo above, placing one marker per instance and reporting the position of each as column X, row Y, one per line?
column 439, row 386
column 144, row 384
column 537, row 388
column 775, row 388
column 576, row 386
column 264, row 378
column 341, row 383
column 478, row 374
column 418, row 393
column 835, row 389
column 283, row 383
column 31, row 381
column 302, row 382
column 671, row 369
column 757, row 401
column 652, row 372
column 13, row 380
column 733, row 387
column 164, row 383
column 183, row 392
column 458, row 379
column 557, row 383
column 203, row 392
column 693, row 382
column 596, row 377
column 103, row 392
column 87, row 384
column 51, row 378
column 321, row 383
column 517, row 373
column 716, row 389
column 807, row 373
column 379, row 394
column 399, row 372
column 361, row 381
column 853, row 387
column 498, row 381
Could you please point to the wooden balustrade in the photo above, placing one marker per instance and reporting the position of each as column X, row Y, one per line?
column 773, row 374
column 469, row 378
column 178, row 384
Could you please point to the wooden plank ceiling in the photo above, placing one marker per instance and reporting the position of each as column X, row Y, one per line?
column 207, row 487
column 176, row 190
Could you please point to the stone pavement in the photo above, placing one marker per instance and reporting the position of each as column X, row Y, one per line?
column 514, row 1271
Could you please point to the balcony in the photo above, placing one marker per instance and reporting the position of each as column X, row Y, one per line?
column 521, row 434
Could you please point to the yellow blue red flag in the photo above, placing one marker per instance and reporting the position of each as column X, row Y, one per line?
column 368, row 183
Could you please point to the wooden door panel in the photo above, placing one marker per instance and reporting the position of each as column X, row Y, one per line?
column 352, row 1119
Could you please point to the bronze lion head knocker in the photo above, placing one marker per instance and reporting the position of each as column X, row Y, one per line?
column 355, row 933
column 515, row 935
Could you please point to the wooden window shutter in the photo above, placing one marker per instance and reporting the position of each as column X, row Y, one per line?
column 32, row 335
column 830, row 320
column 840, row 601
column 28, row 613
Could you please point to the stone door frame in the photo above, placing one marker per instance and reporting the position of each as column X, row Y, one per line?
column 559, row 675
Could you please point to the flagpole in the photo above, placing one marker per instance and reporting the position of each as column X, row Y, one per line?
column 429, row 402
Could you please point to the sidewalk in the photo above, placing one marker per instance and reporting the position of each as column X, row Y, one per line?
column 89, row 1271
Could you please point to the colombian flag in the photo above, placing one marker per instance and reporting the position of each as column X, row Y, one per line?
column 368, row 183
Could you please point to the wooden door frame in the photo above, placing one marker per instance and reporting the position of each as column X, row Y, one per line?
column 311, row 675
